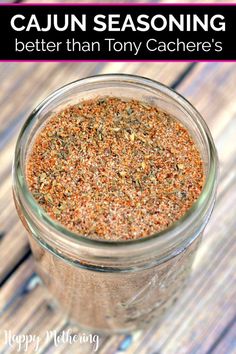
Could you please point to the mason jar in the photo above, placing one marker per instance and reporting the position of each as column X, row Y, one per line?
column 109, row 286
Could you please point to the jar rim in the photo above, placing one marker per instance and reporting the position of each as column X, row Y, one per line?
column 167, row 234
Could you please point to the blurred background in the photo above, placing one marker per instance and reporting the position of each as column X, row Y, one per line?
column 204, row 320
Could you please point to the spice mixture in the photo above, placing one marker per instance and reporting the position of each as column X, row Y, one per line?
column 113, row 169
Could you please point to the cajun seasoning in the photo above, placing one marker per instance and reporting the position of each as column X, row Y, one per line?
column 112, row 169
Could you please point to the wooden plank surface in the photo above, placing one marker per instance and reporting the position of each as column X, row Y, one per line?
column 26, row 85
column 204, row 319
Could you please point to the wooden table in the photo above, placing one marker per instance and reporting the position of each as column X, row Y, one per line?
column 203, row 321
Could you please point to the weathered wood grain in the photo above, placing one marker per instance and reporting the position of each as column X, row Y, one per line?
column 225, row 343
column 208, row 304
column 41, row 314
column 30, row 87
column 216, row 102
column 24, row 291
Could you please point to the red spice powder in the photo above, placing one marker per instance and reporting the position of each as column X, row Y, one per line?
column 113, row 169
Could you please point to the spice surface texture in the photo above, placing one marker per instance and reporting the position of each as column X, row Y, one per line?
column 114, row 170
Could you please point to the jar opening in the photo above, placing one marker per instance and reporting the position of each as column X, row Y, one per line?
column 157, row 94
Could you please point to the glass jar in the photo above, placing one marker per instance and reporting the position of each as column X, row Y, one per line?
column 115, row 287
